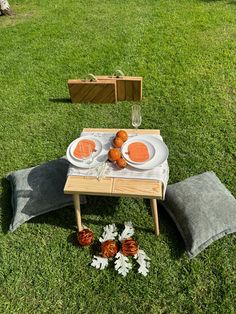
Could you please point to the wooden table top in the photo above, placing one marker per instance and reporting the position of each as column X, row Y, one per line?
column 115, row 186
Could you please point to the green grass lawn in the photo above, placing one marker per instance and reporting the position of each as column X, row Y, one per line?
column 186, row 52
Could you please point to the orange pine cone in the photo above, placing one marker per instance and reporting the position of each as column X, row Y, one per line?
column 129, row 247
column 123, row 135
column 114, row 154
column 109, row 248
column 85, row 237
column 117, row 142
column 121, row 163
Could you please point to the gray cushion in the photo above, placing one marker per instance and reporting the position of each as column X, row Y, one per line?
column 38, row 190
column 203, row 210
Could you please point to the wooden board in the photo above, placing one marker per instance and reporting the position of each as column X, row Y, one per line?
column 84, row 91
column 129, row 131
column 114, row 187
column 129, row 88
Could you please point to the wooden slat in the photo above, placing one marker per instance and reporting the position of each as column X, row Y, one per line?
column 121, row 93
column 129, row 131
column 137, row 90
column 88, row 185
column 128, row 87
column 82, row 91
column 113, row 187
column 137, row 188
column 130, row 90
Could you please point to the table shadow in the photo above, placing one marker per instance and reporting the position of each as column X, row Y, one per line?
column 212, row 1
column 171, row 233
column 5, row 205
column 65, row 217
column 60, row 100
column 103, row 206
column 168, row 231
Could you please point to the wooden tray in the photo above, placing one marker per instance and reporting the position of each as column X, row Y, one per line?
column 99, row 91
column 129, row 88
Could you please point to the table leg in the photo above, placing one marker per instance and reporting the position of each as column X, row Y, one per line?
column 77, row 211
column 153, row 203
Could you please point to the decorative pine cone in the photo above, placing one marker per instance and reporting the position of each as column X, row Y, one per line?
column 109, row 248
column 129, row 247
column 85, row 237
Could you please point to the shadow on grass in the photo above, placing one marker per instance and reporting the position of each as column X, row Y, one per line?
column 60, row 100
column 5, row 205
column 168, row 230
column 171, row 233
column 65, row 217
column 99, row 206
column 212, row 1
column 106, row 206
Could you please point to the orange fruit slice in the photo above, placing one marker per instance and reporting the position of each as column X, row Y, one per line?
column 138, row 152
column 82, row 149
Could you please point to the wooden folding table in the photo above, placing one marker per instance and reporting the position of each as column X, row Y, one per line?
column 108, row 186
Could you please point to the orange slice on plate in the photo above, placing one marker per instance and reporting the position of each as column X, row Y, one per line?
column 138, row 152
column 81, row 149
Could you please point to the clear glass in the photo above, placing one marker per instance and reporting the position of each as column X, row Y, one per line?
column 136, row 116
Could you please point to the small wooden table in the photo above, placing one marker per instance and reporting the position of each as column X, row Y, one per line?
column 85, row 185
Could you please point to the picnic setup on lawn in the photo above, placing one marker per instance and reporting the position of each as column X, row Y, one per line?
column 133, row 163
column 118, row 143
column 129, row 163
column 138, row 169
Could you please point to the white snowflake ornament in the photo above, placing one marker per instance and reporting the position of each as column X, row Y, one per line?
column 109, row 233
column 143, row 261
column 127, row 232
column 122, row 264
column 99, row 262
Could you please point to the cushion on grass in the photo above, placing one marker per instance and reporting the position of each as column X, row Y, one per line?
column 38, row 190
column 203, row 210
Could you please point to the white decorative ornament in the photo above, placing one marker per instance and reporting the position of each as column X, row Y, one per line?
column 143, row 261
column 127, row 232
column 99, row 262
column 109, row 233
column 122, row 264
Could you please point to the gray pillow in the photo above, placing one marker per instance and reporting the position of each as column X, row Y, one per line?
column 203, row 210
column 38, row 190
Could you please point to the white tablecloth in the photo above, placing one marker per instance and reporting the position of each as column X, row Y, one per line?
column 160, row 173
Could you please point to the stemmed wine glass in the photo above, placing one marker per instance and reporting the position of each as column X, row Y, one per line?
column 136, row 116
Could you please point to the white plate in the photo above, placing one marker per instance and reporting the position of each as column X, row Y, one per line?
column 149, row 145
column 160, row 156
column 101, row 157
column 98, row 146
